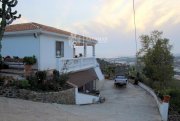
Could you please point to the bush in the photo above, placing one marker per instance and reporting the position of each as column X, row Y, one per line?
column 56, row 74
column 41, row 76
column 1, row 81
column 40, row 82
column 15, row 57
column 63, row 78
column 60, row 78
column 33, row 82
column 175, row 97
column 24, row 84
column 3, row 65
column 29, row 60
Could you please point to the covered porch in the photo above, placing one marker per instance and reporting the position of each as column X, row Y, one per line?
column 84, row 43
column 79, row 61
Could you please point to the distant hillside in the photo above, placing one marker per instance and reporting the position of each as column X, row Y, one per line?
column 112, row 68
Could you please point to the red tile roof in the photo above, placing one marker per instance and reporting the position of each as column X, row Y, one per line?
column 36, row 26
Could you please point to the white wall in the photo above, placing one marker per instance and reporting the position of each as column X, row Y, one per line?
column 20, row 46
column 100, row 81
column 84, row 98
column 48, row 51
column 43, row 47
column 99, row 73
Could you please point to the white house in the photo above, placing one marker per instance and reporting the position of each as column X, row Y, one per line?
column 53, row 48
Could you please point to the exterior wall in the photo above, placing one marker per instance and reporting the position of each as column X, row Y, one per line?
column 75, row 64
column 99, row 73
column 48, row 51
column 100, row 84
column 84, row 98
column 43, row 47
column 20, row 45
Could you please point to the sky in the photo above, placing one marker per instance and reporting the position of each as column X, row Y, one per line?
column 109, row 21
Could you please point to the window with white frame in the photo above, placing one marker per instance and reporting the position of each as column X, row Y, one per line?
column 59, row 49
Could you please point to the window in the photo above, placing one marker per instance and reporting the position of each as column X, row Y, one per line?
column 59, row 49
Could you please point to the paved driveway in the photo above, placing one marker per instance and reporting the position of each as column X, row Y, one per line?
column 122, row 104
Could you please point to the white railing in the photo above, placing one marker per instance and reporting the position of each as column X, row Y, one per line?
column 75, row 64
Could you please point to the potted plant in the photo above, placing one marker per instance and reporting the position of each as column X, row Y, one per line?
column 166, row 98
column 29, row 62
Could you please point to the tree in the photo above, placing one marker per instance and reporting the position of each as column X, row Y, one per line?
column 7, row 15
column 110, row 71
column 157, row 58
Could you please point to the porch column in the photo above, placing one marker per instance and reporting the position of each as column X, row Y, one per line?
column 93, row 51
column 85, row 49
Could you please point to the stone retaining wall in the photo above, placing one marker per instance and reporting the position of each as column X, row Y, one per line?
column 62, row 97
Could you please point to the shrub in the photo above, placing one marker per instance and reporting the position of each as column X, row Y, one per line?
column 8, row 57
column 7, row 81
column 40, row 82
column 63, row 78
column 60, row 78
column 33, row 82
column 15, row 57
column 24, row 84
column 41, row 75
column 3, row 65
column 175, row 99
column 56, row 73
column 1, row 81
column 29, row 60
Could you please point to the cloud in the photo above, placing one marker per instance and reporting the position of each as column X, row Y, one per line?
column 111, row 19
column 165, row 18
column 21, row 20
column 149, row 14
column 114, row 20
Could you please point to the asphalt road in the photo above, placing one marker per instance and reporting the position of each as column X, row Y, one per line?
column 122, row 104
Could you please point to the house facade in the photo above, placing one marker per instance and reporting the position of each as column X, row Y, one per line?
column 46, row 43
column 54, row 49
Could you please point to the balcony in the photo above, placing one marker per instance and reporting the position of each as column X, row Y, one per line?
column 75, row 64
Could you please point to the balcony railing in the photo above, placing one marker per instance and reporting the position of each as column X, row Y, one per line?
column 75, row 64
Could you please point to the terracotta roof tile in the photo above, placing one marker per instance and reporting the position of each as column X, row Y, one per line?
column 20, row 27
column 36, row 26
